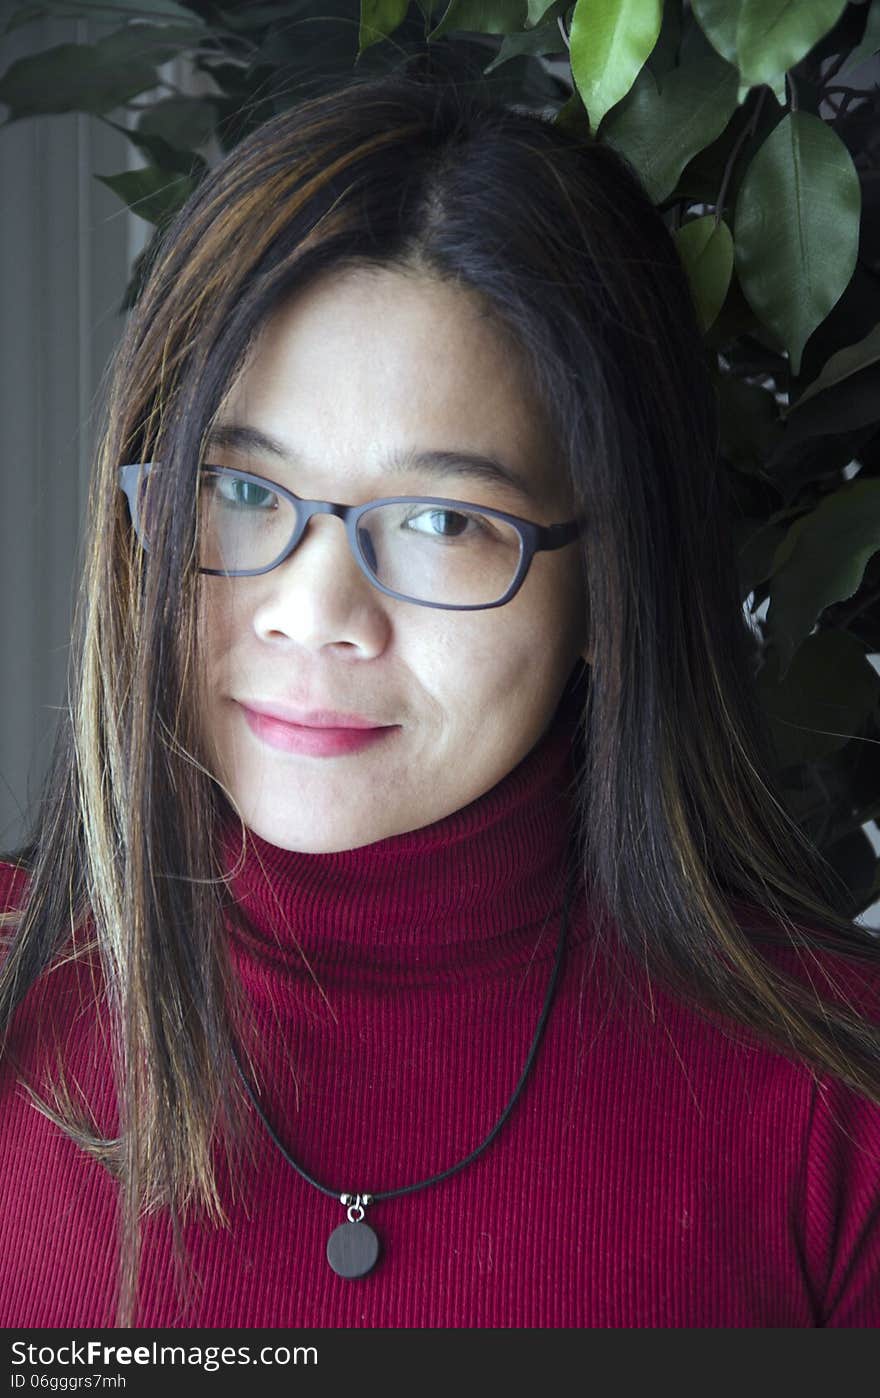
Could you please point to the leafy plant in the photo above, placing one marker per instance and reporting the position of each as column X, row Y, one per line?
column 747, row 128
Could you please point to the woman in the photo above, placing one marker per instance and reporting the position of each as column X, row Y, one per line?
column 436, row 839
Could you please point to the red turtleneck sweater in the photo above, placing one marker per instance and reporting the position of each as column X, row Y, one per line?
column 655, row 1172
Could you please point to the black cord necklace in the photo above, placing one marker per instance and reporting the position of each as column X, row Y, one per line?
column 353, row 1247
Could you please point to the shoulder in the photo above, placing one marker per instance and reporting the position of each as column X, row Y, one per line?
column 818, row 957
column 841, row 1199
column 842, row 1204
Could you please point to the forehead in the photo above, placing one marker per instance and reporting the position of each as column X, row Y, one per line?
column 369, row 363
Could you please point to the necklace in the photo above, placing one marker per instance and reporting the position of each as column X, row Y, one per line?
column 353, row 1247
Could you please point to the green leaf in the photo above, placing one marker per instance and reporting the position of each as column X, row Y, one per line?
column 729, row 154
column 659, row 132
column 870, row 42
column 174, row 160
column 572, row 116
column 756, row 543
column 186, row 123
column 749, row 420
column 764, row 38
column 822, row 700
column 483, row 17
column 158, row 43
column 796, row 228
column 666, row 52
column 378, row 19
column 157, row 10
column 545, row 39
column 837, row 417
column 96, row 77
column 72, row 78
column 773, row 35
column 706, row 251
column 151, row 193
column 841, row 365
column 822, row 560
column 718, row 20
column 735, row 320
column 537, row 11
column 610, row 41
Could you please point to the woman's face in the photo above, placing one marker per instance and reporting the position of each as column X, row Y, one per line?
column 357, row 368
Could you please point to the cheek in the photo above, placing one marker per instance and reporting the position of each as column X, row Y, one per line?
column 563, row 625
column 459, row 653
column 219, row 622
column 507, row 657
column 483, row 671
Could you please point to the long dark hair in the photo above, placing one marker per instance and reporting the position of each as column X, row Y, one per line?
column 695, row 869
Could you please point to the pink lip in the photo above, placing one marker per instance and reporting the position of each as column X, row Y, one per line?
column 318, row 734
column 312, row 718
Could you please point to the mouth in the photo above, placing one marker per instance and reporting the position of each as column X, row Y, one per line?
column 311, row 718
column 313, row 734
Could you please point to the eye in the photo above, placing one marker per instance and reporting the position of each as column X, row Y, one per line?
column 237, row 493
column 443, row 523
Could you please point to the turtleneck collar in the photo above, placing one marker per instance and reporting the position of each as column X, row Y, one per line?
column 484, row 884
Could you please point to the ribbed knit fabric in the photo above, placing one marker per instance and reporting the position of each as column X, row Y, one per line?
column 656, row 1171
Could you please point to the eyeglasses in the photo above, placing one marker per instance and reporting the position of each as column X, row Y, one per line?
column 419, row 548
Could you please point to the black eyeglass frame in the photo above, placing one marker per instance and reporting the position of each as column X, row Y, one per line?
column 534, row 538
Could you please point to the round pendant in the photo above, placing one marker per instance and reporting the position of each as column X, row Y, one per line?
column 352, row 1249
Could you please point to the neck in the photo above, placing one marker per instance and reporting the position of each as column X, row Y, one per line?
column 483, row 884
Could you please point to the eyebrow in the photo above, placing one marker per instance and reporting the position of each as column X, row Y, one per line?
column 469, row 465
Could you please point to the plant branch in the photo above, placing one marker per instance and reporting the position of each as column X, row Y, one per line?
column 747, row 131
column 844, row 106
column 849, row 91
column 834, row 68
column 863, row 605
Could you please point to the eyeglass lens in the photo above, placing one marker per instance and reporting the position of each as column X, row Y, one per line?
column 432, row 553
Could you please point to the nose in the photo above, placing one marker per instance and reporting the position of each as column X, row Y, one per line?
column 320, row 597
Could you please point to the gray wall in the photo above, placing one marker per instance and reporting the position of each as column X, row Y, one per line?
column 65, row 242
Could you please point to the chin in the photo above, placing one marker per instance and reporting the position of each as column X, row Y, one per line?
column 317, row 837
